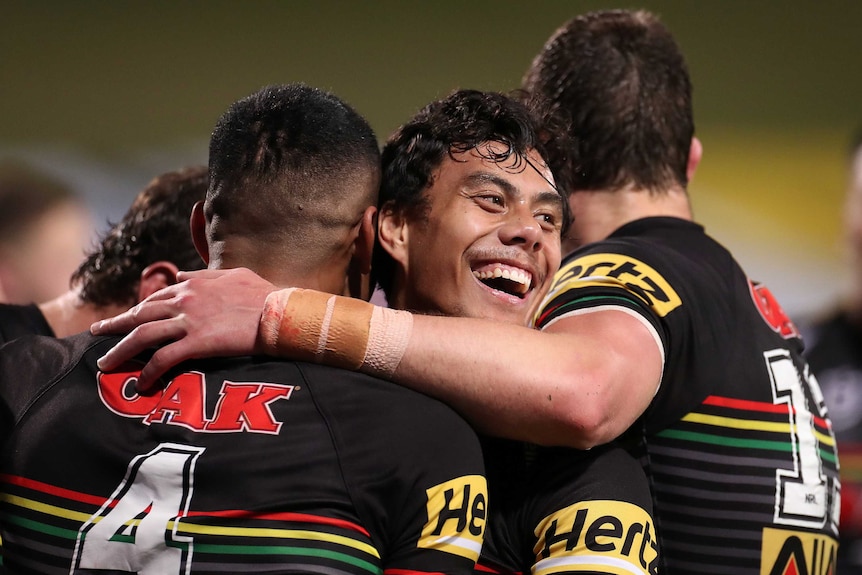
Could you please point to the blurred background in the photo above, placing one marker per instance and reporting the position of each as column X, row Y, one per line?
column 109, row 94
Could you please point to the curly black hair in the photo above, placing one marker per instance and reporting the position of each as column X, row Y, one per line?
column 458, row 123
column 156, row 227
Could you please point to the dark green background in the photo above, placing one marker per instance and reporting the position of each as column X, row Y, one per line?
column 105, row 74
column 137, row 86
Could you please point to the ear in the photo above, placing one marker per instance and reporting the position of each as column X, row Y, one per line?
column 695, row 152
column 359, row 268
column 156, row 276
column 364, row 242
column 198, row 226
column 392, row 233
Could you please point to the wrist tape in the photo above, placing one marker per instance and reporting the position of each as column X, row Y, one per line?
column 308, row 325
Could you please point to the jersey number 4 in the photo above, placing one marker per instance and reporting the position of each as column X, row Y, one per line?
column 128, row 534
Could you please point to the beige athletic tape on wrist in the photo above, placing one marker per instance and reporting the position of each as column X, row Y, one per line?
column 339, row 331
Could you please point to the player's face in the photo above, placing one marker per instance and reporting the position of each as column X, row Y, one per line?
column 490, row 243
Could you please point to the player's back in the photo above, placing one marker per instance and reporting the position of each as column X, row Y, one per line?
column 239, row 465
column 752, row 450
column 736, row 443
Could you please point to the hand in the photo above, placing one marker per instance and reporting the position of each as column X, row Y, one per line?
column 209, row 313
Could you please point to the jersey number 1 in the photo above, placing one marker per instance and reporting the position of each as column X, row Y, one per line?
column 802, row 494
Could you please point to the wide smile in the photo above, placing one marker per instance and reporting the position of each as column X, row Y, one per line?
column 505, row 278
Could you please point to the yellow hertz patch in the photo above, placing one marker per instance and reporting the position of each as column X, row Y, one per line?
column 793, row 552
column 615, row 269
column 457, row 511
column 602, row 536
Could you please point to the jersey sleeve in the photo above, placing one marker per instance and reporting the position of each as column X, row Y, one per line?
column 588, row 512
column 606, row 279
column 415, row 472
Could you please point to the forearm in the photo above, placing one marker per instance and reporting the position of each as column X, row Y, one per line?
column 511, row 381
column 581, row 384
column 507, row 380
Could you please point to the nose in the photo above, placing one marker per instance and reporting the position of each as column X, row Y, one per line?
column 522, row 229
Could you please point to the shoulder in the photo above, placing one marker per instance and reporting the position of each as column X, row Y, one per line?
column 44, row 355
column 30, row 365
column 19, row 320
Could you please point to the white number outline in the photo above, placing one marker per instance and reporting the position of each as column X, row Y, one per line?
column 167, row 470
column 804, row 496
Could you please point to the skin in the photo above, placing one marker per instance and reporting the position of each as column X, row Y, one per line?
column 36, row 267
column 582, row 382
column 482, row 216
column 68, row 314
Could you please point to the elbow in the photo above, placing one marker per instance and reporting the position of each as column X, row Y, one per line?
column 583, row 422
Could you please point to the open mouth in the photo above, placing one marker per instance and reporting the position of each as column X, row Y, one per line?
column 507, row 279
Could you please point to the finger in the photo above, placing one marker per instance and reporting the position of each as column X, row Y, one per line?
column 201, row 274
column 146, row 311
column 162, row 360
column 141, row 338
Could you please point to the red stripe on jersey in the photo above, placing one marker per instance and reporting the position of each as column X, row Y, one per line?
column 52, row 490
column 303, row 517
column 747, row 405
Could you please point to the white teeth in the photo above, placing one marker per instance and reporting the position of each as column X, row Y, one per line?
column 519, row 276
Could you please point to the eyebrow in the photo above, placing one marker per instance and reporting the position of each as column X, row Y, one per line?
column 553, row 198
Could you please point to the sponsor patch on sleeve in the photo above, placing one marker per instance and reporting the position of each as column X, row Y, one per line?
column 600, row 536
column 457, row 511
column 620, row 271
column 794, row 552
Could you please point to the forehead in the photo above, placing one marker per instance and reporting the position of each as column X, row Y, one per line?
column 491, row 164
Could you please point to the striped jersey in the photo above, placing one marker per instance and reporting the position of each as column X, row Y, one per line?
column 833, row 348
column 242, row 465
column 737, row 443
column 566, row 512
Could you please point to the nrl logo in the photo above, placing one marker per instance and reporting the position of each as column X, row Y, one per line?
column 771, row 311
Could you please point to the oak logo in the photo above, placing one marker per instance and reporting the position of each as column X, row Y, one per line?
column 457, row 512
column 797, row 553
column 598, row 536
column 241, row 406
column 622, row 271
column 771, row 311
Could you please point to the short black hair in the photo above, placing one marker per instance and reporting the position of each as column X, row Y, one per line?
column 618, row 82
column 286, row 162
column 155, row 228
column 458, row 123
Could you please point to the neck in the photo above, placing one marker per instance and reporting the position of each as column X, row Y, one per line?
column 597, row 214
column 327, row 278
column 68, row 315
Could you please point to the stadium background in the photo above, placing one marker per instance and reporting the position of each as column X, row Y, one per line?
column 108, row 94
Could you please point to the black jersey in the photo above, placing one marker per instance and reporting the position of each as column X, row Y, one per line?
column 567, row 512
column 736, row 443
column 240, row 465
column 18, row 320
column 833, row 348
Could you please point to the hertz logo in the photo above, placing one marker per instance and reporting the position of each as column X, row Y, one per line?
column 457, row 511
column 602, row 536
column 618, row 270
